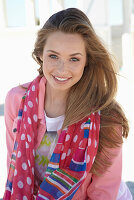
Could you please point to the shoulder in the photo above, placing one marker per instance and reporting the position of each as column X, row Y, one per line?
column 16, row 93
column 13, row 99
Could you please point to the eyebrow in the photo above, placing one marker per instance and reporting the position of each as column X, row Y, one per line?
column 74, row 54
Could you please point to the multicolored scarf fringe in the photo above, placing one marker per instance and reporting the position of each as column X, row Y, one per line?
column 71, row 160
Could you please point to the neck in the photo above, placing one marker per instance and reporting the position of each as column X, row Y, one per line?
column 55, row 101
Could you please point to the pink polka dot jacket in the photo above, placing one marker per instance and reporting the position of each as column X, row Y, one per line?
column 68, row 174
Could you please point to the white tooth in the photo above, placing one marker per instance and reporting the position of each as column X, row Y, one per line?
column 61, row 79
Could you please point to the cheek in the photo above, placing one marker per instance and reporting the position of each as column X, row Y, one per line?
column 46, row 66
column 46, row 70
column 78, row 71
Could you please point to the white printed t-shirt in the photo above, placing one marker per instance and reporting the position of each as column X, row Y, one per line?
column 46, row 148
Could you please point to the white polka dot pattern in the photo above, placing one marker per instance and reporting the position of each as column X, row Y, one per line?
column 63, row 156
column 32, row 170
column 93, row 159
column 69, row 152
column 75, row 138
column 36, row 100
column 80, row 143
column 33, row 88
column 88, row 159
column 28, row 92
column 29, row 120
column 29, row 138
column 62, row 147
column 94, row 127
column 30, row 104
column 91, row 125
column 25, row 108
column 20, row 184
column 33, row 153
column 23, row 136
column 67, row 138
column 29, row 181
column 35, row 117
column 27, row 123
column 27, row 145
column 89, row 142
column 29, row 163
column 19, row 154
column 82, row 125
column 95, row 144
column 25, row 198
column 12, row 191
column 15, row 172
column 24, row 166
column 24, row 126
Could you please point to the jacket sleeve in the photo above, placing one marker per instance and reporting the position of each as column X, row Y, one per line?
column 106, row 187
column 12, row 103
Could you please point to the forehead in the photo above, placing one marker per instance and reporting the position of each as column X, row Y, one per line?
column 72, row 41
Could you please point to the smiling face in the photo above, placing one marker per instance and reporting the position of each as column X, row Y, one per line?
column 64, row 59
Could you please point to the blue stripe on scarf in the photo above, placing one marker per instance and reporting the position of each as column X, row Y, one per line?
column 55, row 158
column 71, row 196
column 13, row 157
column 60, row 182
column 9, row 184
column 51, row 189
column 20, row 113
column 15, row 145
column 86, row 133
column 77, row 167
column 51, row 168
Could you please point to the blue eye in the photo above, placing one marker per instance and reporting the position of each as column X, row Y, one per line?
column 53, row 56
column 74, row 59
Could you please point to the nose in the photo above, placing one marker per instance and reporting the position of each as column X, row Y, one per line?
column 61, row 66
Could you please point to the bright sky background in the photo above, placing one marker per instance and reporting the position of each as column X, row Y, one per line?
column 18, row 7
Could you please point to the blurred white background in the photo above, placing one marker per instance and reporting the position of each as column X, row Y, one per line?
column 20, row 20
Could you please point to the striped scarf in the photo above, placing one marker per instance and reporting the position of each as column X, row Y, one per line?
column 70, row 162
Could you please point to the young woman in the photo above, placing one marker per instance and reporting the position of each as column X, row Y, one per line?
column 64, row 129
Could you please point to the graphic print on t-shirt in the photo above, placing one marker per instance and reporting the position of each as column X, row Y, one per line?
column 46, row 148
column 43, row 153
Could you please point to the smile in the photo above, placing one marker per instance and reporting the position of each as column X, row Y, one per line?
column 61, row 79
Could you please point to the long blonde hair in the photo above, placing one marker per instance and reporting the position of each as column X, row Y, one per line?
column 96, row 89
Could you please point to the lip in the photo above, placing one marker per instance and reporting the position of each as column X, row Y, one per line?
column 61, row 77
